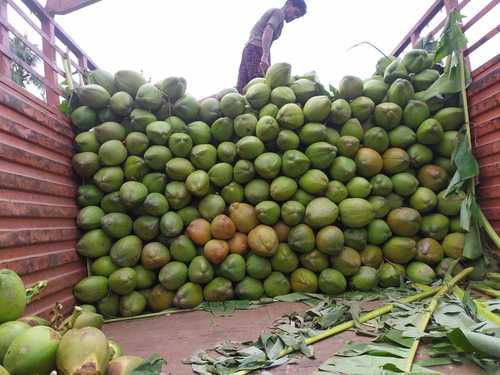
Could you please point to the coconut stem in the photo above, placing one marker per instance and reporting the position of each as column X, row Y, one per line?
column 370, row 44
column 422, row 324
column 151, row 315
column 495, row 276
column 490, row 231
column 88, row 265
column 35, row 290
column 350, row 324
column 463, row 91
column 472, row 185
column 67, row 71
column 486, row 290
column 480, row 306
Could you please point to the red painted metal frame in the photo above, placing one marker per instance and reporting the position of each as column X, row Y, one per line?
column 67, row 6
column 38, row 208
column 414, row 33
column 37, row 29
column 412, row 36
column 441, row 24
column 37, row 188
column 484, row 102
column 49, row 32
column 480, row 14
column 482, row 40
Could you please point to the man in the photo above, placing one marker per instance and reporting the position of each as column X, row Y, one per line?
column 256, row 56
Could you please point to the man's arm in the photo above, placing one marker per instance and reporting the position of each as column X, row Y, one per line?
column 267, row 40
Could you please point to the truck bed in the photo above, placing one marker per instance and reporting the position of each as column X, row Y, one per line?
column 177, row 336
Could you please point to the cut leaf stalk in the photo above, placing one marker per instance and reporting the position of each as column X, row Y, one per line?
column 492, row 234
column 486, row 290
column 370, row 44
column 422, row 324
column 151, row 315
column 350, row 324
column 35, row 290
column 482, row 311
column 495, row 276
column 67, row 72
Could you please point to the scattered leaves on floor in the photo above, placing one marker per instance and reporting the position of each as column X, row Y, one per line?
column 152, row 366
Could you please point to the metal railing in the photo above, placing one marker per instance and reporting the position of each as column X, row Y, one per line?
column 50, row 32
column 51, row 54
column 411, row 38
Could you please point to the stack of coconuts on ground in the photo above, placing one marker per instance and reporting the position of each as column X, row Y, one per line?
column 281, row 189
column 30, row 346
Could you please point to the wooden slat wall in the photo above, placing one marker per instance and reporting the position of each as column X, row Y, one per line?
column 484, row 102
column 37, row 198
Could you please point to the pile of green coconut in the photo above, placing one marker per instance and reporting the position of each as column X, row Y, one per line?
column 283, row 188
column 31, row 345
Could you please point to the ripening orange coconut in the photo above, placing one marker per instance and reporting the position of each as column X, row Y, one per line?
column 199, row 231
column 281, row 230
column 238, row 244
column 216, row 251
column 222, row 227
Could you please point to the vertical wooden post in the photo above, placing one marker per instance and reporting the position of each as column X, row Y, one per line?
column 82, row 60
column 84, row 65
column 450, row 5
column 4, row 42
column 49, row 51
column 414, row 38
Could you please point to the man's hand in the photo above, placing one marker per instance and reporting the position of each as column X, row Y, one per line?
column 264, row 63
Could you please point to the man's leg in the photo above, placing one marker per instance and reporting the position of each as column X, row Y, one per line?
column 250, row 66
column 242, row 74
column 253, row 66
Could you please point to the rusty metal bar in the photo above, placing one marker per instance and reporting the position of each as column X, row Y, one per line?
column 422, row 22
column 482, row 40
column 4, row 41
column 481, row 14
